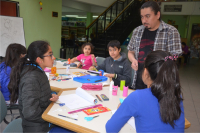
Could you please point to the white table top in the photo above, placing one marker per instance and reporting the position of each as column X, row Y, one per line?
column 69, row 83
column 97, row 124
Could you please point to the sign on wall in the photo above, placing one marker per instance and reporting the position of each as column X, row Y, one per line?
column 172, row 8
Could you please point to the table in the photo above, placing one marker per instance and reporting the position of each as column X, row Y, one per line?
column 68, row 84
column 96, row 125
column 59, row 65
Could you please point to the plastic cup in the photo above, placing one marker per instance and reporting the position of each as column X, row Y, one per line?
column 122, row 84
column 114, row 90
column 125, row 91
column 53, row 70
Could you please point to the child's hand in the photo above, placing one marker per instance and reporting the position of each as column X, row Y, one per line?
column 92, row 56
column 110, row 75
column 79, row 65
column 91, row 68
column 54, row 98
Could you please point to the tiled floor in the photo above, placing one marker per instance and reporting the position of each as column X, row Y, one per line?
column 190, row 82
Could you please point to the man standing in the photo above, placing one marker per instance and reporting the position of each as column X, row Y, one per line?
column 153, row 35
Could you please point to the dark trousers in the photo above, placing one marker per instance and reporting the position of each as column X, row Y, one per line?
column 139, row 83
column 185, row 56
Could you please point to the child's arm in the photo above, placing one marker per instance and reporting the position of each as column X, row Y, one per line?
column 125, row 111
column 73, row 60
column 79, row 65
column 93, row 60
column 126, row 75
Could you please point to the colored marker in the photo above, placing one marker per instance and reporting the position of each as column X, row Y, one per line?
column 67, row 117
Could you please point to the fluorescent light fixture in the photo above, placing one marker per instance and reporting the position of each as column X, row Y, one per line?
column 72, row 16
column 95, row 16
column 81, row 17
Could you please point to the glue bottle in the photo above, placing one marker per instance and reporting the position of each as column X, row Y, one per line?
column 68, row 66
column 111, row 85
column 69, row 60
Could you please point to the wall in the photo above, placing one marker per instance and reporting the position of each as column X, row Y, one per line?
column 188, row 8
column 40, row 25
column 180, row 20
column 192, row 20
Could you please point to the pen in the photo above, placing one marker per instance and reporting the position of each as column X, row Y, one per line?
column 67, row 117
column 99, row 98
column 98, row 80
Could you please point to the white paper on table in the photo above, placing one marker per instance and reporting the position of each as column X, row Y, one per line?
column 131, row 121
column 79, row 100
column 47, row 73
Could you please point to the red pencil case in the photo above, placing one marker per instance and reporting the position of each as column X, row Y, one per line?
column 91, row 86
column 97, row 110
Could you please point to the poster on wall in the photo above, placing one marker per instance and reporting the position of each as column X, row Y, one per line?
column 195, row 41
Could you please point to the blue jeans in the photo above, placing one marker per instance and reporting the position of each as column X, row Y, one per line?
column 60, row 130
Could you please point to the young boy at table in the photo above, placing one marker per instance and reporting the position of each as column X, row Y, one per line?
column 117, row 65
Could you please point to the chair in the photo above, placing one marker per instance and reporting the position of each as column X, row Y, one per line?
column 15, row 125
column 70, row 46
column 100, row 60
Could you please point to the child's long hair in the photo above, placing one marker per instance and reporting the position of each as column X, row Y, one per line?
column 13, row 54
column 87, row 44
column 166, row 85
column 36, row 49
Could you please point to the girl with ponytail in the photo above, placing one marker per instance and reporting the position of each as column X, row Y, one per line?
column 30, row 86
column 14, row 52
column 159, row 107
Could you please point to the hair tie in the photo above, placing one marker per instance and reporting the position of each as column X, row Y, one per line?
column 26, row 56
column 174, row 57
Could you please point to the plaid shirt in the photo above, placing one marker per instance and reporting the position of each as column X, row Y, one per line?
column 167, row 39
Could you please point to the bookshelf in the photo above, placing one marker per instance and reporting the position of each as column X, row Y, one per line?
column 79, row 31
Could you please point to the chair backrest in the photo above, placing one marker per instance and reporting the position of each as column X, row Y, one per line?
column 70, row 42
column 3, row 107
column 100, row 60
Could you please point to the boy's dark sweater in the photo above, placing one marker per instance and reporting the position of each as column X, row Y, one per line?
column 121, row 67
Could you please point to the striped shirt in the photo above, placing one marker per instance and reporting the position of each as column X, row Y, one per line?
column 167, row 39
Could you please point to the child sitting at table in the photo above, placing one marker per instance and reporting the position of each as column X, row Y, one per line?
column 13, row 54
column 117, row 65
column 86, row 59
column 158, row 108
column 30, row 86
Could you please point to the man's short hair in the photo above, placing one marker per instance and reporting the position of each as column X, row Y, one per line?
column 153, row 5
column 114, row 43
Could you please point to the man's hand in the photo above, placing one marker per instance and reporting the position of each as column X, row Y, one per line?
column 110, row 75
column 54, row 98
column 134, row 64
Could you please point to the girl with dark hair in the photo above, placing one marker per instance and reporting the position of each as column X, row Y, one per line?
column 30, row 86
column 13, row 54
column 86, row 58
column 158, row 108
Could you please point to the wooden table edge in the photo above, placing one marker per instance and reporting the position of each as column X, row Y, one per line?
column 62, row 123
column 187, row 124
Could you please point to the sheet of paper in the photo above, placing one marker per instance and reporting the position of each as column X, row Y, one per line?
column 82, row 93
column 73, row 101
column 131, row 121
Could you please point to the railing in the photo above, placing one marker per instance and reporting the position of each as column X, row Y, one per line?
column 99, row 25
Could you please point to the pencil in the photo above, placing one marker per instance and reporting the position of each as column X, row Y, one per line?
column 67, row 117
column 99, row 98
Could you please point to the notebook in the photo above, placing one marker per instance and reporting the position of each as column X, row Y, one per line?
column 81, row 99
